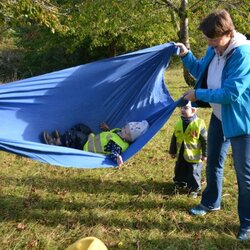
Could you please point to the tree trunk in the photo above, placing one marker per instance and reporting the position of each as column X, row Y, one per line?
column 112, row 49
column 184, row 37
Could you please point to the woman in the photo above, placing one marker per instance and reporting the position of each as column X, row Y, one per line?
column 223, row 81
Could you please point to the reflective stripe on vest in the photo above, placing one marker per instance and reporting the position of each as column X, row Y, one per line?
column 96, row 143
column 190, row 139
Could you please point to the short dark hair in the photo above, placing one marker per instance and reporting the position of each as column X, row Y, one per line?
column 217, row 24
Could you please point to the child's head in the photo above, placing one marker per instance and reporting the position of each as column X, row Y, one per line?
column 132, row 130
column 187, row 110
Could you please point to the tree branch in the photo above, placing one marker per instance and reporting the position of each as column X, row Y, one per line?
column 171, row 5
column 194, row 7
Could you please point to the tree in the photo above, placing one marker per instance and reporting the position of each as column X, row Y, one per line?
column 17, row 16
column 14, row 13
column 92, row 34
column 119, row 26
column 60, row 33
column 182, row 10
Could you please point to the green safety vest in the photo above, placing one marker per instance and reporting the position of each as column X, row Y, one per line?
column 96, row 143
column 190, row 140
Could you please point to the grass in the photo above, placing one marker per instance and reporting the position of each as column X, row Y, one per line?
column 136, row 207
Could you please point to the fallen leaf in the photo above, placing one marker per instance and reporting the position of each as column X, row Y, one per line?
column 20, row 226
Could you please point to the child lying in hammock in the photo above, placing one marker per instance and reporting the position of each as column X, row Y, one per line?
column 111, row 142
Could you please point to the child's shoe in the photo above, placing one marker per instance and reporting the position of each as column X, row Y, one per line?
column 180, row 185
column 57, row 137
column 193, row 194
column 47, row 138
column 51, row 140
column 55, row 134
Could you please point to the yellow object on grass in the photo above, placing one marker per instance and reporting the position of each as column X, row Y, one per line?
column 88, row 243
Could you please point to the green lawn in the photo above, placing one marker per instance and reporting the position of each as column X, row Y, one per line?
column 136, row 207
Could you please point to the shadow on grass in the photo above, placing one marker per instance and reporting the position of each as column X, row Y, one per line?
column 173, row 242
column 47, row 203
column 91, row 185
column 53, row 212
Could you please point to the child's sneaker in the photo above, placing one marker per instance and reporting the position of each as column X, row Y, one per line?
column 47, row 138
column 51, row 140
column 193, row 194
column 55, row 134
column 57, row 137
column 180, row 185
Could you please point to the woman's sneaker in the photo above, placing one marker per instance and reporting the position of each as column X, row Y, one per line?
column 201, row 210
column 244, row 235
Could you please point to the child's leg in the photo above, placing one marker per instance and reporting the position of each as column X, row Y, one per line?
column 180, row 173
column 74, row 139
column 194, row 176
column 80, row 127
column 77, row 136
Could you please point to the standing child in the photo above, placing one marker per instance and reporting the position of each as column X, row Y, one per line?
column 189, row 146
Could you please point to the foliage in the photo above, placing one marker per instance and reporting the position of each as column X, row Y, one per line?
column 120, row 25
column 136, row 207
column 16, row 13
column 89, row 33
column 17, row 16
column 49, row 35
column 196, row 10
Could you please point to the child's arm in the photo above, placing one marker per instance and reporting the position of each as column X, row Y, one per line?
column 119, row 160
column 104, row 126
column 203, row 140
column 203, row 148
column 115, row 152
column 173, row 147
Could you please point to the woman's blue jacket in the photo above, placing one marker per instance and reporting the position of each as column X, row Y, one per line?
column 234, row 94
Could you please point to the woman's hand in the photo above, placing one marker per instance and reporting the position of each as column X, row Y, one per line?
column 183, row 49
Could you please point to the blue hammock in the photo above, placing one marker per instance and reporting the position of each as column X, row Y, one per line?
column 116, row 90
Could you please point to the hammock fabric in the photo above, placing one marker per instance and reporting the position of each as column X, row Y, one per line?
column 117, row 90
